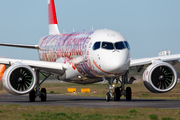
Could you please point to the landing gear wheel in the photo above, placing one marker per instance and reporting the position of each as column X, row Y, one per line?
column 43, row 94
column 107, row 97
column 115, row 96
column 128, row 93
column 32, row 96
column 118, row 93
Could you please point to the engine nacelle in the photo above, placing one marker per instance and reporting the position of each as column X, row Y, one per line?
column 160, row 77
column 19, row 79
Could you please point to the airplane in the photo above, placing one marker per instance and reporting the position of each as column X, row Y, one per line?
column 85, row 57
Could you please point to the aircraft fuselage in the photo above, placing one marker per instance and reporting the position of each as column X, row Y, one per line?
column 90, row 54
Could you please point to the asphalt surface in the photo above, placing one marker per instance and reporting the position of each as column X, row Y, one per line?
column 98, row 102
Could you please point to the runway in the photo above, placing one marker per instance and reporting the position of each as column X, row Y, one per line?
column 98, row 102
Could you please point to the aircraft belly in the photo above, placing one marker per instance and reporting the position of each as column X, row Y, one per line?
column 87, row 81
column 74, row 76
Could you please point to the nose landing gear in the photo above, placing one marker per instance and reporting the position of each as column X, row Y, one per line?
column 119, row 91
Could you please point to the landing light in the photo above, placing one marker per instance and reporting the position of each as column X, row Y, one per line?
column 79, row 77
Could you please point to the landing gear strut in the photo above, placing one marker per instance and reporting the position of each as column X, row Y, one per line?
column 110, row 93
column 119, row 91
column 36, row 92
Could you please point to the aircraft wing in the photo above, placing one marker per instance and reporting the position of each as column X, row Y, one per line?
column 20, row 45
column 144, row 61
column 51, row 67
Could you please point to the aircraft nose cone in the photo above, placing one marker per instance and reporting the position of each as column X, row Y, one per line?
column 115, row 66
column 113, row 62
column 112, row 65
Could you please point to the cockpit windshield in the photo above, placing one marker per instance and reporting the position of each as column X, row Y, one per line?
column 107, row 45
column 120, row 45
column 111, row 46
column 96, row 46
column 127, row 44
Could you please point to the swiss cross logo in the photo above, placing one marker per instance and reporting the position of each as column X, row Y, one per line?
column 48, row 1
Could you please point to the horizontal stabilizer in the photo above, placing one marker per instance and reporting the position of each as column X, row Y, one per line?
column 20, row 45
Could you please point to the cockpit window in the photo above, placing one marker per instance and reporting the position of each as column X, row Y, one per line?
column 96, row 46
column 127, row 44
column 107, row 45
column 110, row 46
column 119, row 45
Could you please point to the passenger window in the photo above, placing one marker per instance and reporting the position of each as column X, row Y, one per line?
column 120, row 45
column 96, row 46
column 127, row 44
column 107, row 45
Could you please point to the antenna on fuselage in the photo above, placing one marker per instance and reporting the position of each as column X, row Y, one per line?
column 73, row 30
column 92, row 28
column 64, row 32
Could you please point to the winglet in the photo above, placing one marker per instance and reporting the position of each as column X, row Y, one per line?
column 53, row 27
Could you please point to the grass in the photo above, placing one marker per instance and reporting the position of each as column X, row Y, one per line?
column 51, row 91
column 133, row 111
column 17, row 112
column 153, row 117
column 167, row 118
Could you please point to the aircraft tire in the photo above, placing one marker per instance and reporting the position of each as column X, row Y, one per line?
column 107, row 97
column 118, row 93
column 128, row 94
column 43, row 94
column 32, row 96
column 115, row 96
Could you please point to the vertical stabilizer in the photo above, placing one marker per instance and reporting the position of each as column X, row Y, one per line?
column 53, row 27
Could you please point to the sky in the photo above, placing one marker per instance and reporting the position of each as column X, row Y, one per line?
column 150, row 26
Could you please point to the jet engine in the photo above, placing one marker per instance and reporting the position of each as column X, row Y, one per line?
column 160, row 77
column 19, row 79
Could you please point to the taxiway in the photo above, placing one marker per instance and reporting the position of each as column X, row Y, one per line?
column 87, row 101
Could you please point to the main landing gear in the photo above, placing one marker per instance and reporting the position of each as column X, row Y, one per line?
column 119, row 91
column 37, row 92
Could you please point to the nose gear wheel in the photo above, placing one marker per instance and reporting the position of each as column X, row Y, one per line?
column 107, row 97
